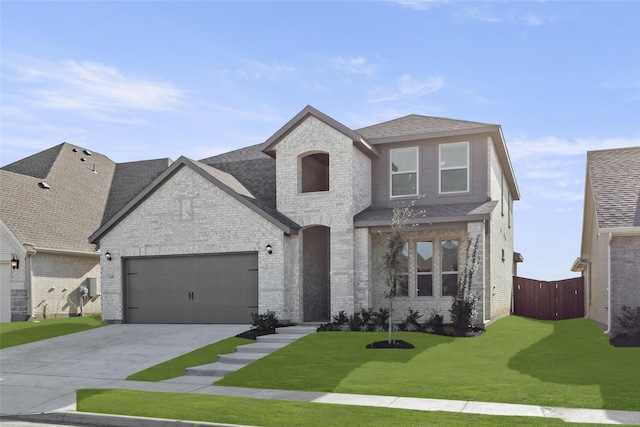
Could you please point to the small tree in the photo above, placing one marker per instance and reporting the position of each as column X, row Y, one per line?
column 392, row 266
column 463, row 309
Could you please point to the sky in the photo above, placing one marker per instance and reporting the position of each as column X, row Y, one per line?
column 139, row 80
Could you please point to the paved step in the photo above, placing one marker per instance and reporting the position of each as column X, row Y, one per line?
column 279, row 338
column 260, row 347
column 216, row 369
column 304, row 330
column 240, row 358
column 248, row 353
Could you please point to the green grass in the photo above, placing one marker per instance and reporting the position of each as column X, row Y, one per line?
column 262, row 412
column 18, row 333
column 176, row 367
column 565, row 363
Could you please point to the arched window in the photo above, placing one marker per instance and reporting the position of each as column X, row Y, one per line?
column 315, row 172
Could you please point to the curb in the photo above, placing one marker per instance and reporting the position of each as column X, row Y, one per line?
column 90, row 419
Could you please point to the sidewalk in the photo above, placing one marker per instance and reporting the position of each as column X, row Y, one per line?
column 190, row 385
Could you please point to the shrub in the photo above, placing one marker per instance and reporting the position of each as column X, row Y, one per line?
column 410, row 323
column 341, row 318
column 463, row 309
column 449, row 331
column 367, row 315
column 380, row 319
column 630, row 320
column 436, row 319
column 355, row 322
column 264, row 322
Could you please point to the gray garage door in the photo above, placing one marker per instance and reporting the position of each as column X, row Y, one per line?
column 191, row 289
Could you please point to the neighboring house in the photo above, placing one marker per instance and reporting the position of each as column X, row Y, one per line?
column 49, row 204
column 296, row 225
column 610, row 251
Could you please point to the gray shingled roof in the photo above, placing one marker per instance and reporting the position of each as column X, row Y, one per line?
column 415, row 124
column 63, row 216
column 130, row 179
column 256, row 171
column 615, row 180
column 371, row 217
column 78, row 200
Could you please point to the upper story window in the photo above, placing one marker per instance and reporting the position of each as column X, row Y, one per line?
column 315, row 172
column 454, row 167
column 404, row 172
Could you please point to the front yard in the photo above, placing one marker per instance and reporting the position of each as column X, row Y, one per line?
column 566, row 363
column 18, row 333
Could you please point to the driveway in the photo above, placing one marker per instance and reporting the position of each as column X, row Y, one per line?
column 43, row 376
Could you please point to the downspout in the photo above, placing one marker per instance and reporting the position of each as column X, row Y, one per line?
column 31, row 251
column 608, row 331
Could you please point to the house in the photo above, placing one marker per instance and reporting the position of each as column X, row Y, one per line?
column 49, row 204
column 296, row 225
column 610, row 251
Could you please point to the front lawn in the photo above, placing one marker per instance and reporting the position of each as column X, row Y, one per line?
column 262, row 412
column 565, row 363
column 18, row 333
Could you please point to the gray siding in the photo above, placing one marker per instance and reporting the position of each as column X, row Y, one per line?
column 428, row 185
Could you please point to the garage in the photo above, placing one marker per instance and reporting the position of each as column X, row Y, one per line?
column 220, row 288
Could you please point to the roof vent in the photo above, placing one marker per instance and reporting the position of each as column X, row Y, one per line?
column 82, row 159
column 43, row 185
column 87, row 152
column 75, row 150
column 94, row 168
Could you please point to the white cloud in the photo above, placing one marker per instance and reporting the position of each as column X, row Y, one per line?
column 91, row 88
column 522, row 148
column 353, row 65
column 532, row 20
column 260, row 70
column 412, row 86
column 421, row 5
column 408, row 87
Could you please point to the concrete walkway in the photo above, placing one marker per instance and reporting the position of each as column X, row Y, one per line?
column 38, row 380
column 68, row 415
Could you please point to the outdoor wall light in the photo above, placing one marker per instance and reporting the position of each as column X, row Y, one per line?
column 108, row 256
column 269, row 249
column 15, row 262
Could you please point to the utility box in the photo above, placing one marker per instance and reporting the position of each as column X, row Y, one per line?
column 92, row 285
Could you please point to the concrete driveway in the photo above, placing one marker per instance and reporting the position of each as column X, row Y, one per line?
column 43, row 376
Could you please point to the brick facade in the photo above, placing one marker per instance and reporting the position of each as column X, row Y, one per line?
column 218, row 224
column 625, row 275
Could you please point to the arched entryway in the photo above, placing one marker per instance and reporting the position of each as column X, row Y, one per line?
column 316, row 277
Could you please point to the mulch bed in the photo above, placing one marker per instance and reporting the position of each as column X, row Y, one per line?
column 624, row 340
column 392, row 344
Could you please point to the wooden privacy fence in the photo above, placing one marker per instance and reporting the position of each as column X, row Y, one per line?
column 562, row 299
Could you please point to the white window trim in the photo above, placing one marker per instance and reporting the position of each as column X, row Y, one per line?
column 440, row 168
column 391, row 173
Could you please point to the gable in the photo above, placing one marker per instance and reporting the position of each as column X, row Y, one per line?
column 614, row 176
column 268, row 147
column 222, row 180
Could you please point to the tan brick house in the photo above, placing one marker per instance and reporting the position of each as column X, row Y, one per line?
column 294, row 224
column 610, row 250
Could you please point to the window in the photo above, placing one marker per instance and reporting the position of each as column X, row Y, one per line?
column 454, row 167
column 402, row 284
column 424, row 269
column 449, row 267
column 315, row 172
column 404, row 172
